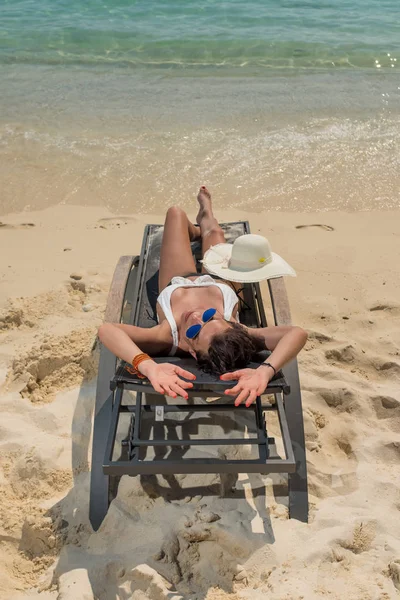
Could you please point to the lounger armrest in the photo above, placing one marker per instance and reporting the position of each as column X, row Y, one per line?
column 204, row 381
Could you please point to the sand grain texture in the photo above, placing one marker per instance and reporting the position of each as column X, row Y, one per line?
column 159, row 542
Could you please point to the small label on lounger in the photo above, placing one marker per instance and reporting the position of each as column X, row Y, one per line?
column 159, row 413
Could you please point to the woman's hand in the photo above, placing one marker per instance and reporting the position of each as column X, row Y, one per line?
column 164, row 377
column 251, row 383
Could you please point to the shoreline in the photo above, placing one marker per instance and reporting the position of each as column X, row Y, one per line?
column 309, row 142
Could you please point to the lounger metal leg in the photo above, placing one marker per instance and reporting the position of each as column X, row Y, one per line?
column 99, row 482
column 298, row 493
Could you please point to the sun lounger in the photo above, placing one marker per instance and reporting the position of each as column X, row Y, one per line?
column 122, row 440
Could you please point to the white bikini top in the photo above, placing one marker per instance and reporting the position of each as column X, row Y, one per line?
column 164, row 299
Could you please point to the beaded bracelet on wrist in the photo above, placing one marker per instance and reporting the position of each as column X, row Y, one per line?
column 139, row 358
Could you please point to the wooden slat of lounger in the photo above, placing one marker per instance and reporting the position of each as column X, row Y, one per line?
column 99, row 482
column 117, row 289
column 280, row 301
column 298, row 487
column 204, row 381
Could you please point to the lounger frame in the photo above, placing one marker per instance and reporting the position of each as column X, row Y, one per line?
column 131, row 299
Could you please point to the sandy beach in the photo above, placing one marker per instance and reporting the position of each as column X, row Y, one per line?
column 152, row 546
column 110, row 113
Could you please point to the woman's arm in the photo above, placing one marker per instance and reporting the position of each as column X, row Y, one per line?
column 284, row 341
column 165, row 377
column 125, row 341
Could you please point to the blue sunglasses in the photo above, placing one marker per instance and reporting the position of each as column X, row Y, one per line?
column 194, row 330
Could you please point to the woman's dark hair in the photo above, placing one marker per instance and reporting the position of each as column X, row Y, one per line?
column 233, row 349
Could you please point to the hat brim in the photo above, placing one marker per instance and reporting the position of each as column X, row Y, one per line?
column 216, row 261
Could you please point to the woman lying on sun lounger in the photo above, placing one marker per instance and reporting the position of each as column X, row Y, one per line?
column 198, row 313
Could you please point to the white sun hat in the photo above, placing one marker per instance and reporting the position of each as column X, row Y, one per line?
column 248, row 260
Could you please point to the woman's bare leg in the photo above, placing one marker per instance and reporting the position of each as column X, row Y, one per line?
column 211, row 232
column 176, row 256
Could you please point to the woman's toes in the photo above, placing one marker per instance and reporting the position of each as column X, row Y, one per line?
column 204, row 190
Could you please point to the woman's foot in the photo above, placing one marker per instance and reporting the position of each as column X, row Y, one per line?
column 204, row 199
column 211, row 232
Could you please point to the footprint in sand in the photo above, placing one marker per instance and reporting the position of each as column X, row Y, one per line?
column 388, row 453
column 385, row 407
column 318, row 336
column 344, row 444
column 344, row 354
column 340, row 399
column 114, row 222
column 390, row 368
column 331, row 480
column 394, row 572
column 387, row 308
column 326, row 227
column 21, row 226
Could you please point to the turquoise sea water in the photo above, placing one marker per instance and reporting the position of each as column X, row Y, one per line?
column 285, row 104
column 247, row 35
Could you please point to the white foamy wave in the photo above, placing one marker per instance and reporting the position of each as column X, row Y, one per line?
column 314, row 164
